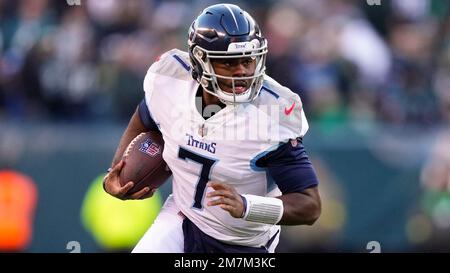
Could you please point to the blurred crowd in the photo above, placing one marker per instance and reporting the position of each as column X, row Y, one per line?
column 348, row 60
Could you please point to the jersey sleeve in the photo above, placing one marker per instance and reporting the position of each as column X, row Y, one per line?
column 150, row 77
column 173, row 64
column 293, row 122
column 146, row 118
column 289, row 166
column 285, row 111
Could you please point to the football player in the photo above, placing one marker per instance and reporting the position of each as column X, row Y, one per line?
column 233, row 141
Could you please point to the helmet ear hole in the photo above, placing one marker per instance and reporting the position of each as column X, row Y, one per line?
column 196, row 71
column 199, row 54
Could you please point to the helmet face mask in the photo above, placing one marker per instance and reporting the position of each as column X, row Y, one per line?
column 226, row 32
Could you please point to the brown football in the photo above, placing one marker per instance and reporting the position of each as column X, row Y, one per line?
column 144, row 164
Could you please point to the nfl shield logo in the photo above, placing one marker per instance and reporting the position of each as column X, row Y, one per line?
column 149, row 148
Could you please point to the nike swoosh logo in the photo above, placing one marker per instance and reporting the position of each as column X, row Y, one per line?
column 288, row 111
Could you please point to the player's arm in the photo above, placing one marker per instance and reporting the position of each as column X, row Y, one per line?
column 301, row 208
column 290, row 168
column 140, row 122
column 135, row 127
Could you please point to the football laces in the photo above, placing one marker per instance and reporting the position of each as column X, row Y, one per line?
column 131, row 145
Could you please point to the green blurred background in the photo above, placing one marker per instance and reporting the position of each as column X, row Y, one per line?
column 374, row 79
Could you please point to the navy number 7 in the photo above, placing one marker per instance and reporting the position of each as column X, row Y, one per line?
column 204, row 173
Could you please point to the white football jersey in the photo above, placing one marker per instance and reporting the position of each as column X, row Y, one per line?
column 224, row 147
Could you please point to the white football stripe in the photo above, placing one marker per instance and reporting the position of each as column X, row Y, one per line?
column 235, row 21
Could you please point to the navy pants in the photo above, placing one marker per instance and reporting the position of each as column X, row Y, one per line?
column 196, row 241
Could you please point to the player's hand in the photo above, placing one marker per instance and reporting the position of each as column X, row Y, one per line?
column 227, row 198
column 112, row 185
